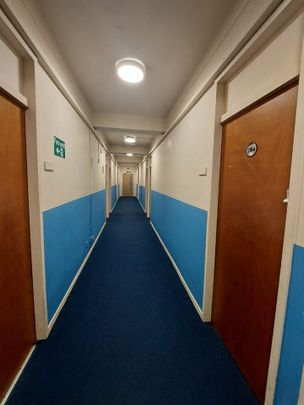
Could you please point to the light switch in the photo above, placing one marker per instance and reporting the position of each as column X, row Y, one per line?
column 204, row 171
column 48, row 166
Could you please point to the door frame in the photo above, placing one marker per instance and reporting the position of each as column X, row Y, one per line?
column 148, row 187
column 122, row 182
column 27, row 99
column 279, row 19
column 108, row 186
column 137, row 182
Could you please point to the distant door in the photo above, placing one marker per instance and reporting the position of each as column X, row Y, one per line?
column 255, row 171
column 17, row 325
column 127, row 185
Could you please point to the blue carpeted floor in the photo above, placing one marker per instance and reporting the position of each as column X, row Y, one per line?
column 129, row 334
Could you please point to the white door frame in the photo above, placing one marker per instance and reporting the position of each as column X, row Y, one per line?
column 148, row 187
column 108, row 186
column 28, row 100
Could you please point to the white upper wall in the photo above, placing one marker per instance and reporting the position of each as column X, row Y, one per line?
column 24, row 11
column 300, row 231
column 113, row 173
column 246, row 18
column 142, row 174
column 275, row 64
column 71, row 178
column 11, row 70
column 178, row 161
column 98, row 157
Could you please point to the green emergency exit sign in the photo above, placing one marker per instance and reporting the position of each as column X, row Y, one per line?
column 59, row 147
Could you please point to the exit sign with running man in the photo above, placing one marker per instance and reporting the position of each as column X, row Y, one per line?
column 59, row 147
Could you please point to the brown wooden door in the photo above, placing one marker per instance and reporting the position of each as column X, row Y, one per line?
column 17, row 328
column 127, row 185
column 251, row 221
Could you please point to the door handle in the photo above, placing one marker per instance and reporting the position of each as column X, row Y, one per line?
column 285, row 201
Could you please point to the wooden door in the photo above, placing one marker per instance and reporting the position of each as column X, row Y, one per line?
column 251, row 221
column 17, row 327
column 127, row 185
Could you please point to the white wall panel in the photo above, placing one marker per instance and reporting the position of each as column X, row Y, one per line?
column 142, row 174
column 113, row 173
column 300, row 231
column 178, row 161
column 275, row 64
column 71, row 176
column 98, row 165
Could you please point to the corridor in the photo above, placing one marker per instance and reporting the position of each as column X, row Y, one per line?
column 151, row 202
column 129, row 334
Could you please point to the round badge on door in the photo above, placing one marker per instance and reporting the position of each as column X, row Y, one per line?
column 251, row 149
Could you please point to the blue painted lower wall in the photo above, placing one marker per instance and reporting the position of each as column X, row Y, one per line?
column 142, row 195
column 69, row 231
column 98, row 211
column 113, row 195
column 182, row 228
column 292, row 353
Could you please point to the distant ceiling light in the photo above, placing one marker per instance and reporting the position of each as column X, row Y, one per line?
column 130, row 139
column 129, row 154
column 130, row 70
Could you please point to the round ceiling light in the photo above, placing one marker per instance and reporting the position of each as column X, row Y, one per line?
column 130, row 70
column 129, row 154
column 130, row 139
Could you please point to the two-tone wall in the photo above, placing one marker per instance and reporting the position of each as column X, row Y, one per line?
column 73, row 194
column 180, row 195
column 68, row 192
column 185, row 170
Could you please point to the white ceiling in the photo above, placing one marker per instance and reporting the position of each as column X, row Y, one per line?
column 169, row 36
column 117, row 138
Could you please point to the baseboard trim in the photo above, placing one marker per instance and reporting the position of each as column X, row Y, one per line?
column 11, row 387
column 69, row 290
column 195, row 304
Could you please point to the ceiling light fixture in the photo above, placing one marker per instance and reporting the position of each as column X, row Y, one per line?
column 129, row 154
column 130, row 70
column 130, row 139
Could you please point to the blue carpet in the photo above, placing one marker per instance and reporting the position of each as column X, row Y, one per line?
column 129, row 334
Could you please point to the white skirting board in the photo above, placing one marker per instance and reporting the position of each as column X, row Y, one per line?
column 301, row 393
column 9, row 391
column 55, row 316
column 196, row 306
